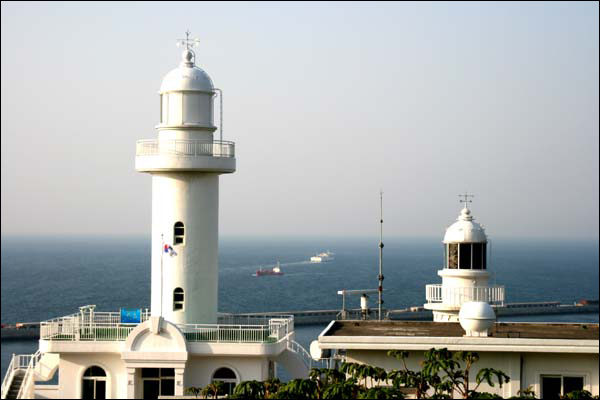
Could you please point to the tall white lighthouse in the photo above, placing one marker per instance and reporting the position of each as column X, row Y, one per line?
column 465, row 274
column 185, row 162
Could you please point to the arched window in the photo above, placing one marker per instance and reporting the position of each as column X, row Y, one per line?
column 227, row 376
column 178, row 299
column 178, row 233
column 94, row 383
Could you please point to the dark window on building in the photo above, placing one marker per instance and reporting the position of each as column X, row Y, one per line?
column 158, row 382
column 453, row 255
column 178, row 233
column 94, row 383
column 571, row 383
column 465, row 256
column 178, row 299
column 150, row 372
column 94, row 371
column 551, row 386
column 477, row 256
column 227, row 376
column 555, row 386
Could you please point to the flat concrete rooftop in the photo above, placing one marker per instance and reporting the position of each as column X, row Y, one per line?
column 448, row 329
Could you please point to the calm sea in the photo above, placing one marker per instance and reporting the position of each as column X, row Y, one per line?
column 43, row 278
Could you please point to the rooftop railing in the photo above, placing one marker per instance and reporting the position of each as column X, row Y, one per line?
column 103, row 326
column 185, row 148
column 457, row 296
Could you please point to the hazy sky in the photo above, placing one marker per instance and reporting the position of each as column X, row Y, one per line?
column 327, row 103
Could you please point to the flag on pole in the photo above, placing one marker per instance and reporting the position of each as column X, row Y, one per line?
column 169, row 249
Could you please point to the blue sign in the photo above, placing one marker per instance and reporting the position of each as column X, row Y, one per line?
column 131, row 315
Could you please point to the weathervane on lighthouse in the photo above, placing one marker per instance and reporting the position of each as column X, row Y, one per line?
column 466, row 199
column 188, row 42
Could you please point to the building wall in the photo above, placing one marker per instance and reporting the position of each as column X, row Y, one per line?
column 47, row 392
column 534, row 365
column 586, row 365
column 191, row 198
column 199, row 370
column 72, row 367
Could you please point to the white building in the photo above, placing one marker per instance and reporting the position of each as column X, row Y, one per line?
column 182, row 341
column 551, row 358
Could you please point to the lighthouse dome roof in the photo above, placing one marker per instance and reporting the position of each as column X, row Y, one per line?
column 187, row 77
column 465, row 230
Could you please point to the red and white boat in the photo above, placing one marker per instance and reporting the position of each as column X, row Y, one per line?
column 269, row 271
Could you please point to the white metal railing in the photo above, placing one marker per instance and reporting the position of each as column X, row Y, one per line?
column 185, row 147
column 458, row 295
column 26, row 391
column 241, row 329
column 102, row 326
column 89, row 326
column 307, row 359
column 23, row 362
column 12, row 367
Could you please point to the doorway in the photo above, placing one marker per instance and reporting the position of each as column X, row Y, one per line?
column 158, row 382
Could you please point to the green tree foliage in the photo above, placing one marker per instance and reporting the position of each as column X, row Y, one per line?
column 194, row 391
column 249, row 390
column 443, row 375
column 579, row 394
column 527, row 393
column 214, row 390
column 271, row 386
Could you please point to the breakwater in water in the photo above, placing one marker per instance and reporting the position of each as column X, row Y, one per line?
column 24, row 331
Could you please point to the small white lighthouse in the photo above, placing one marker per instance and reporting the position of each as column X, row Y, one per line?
column 465, row 277
column 185, row 163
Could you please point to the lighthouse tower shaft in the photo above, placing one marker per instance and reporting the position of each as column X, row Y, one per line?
column 185, row 163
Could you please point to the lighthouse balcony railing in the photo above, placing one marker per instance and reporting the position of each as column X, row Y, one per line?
column 105, row 326
column 458, row 295
column 185, row 148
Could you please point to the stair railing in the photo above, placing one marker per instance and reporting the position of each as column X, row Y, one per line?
column 307, row 359
column 28, row 380
column 9, row 374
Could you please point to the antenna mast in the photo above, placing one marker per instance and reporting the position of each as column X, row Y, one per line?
column 380, row 277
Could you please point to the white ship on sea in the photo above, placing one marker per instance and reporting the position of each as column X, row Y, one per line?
column 322, row 257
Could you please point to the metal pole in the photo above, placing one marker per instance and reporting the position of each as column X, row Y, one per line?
column 220, row 114
column 162, row 245
column 380, row 277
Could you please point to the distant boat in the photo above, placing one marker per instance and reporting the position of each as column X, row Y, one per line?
column 322, row 257
column 269, row 271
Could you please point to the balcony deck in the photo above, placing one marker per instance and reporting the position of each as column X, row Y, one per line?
column 457, row 296
column 185, row 155
column 106, row 327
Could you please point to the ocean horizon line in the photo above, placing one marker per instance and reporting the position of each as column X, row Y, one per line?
column 303, row 237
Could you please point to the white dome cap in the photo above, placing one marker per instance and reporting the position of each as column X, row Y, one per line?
column 465, row 230
column 187, row 77
column 476, row 317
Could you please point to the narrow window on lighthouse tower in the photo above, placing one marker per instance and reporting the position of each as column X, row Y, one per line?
column 178, row 299
column 453, row 255
column 178, row 233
